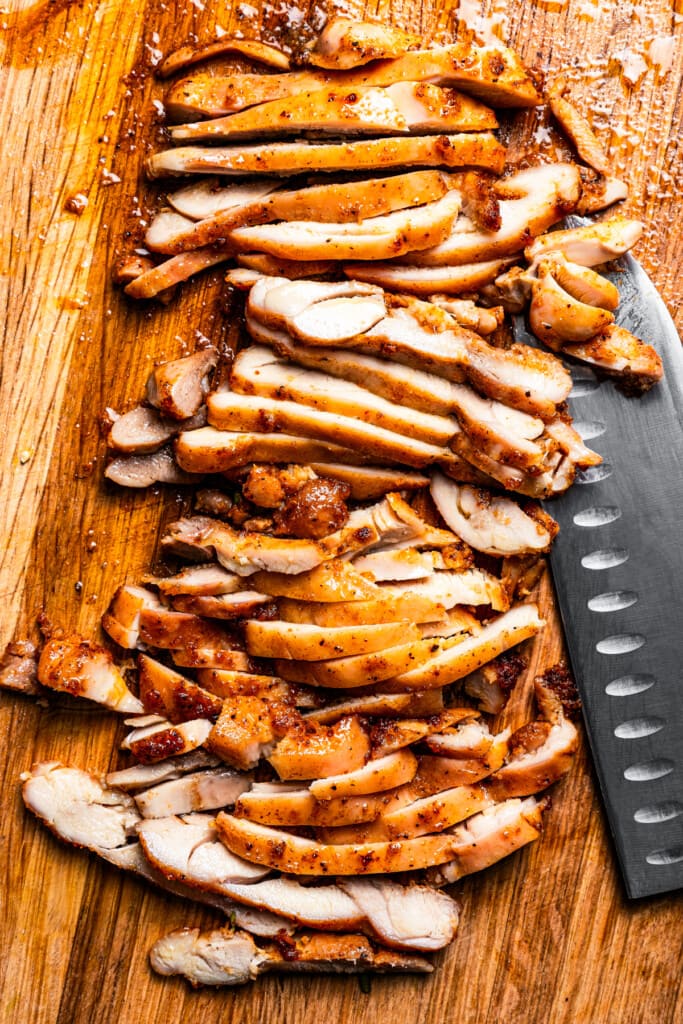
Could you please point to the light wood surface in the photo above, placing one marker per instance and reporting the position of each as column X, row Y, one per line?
column 547, row 936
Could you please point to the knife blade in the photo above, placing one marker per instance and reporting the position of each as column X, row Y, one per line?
column 617, row 567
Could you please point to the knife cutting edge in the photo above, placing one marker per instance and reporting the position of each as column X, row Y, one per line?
column 617, row 566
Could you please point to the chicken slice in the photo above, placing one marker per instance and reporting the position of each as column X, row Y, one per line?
column 591, row 245
column 385, row 705
column 376, row 238
column 541, row 752
column 422, row 280
column 84, row 669
column 435, row 813
column 122, row 618
column 230, row 411
column 177, row 699
column 394, row 910
column 494, row 75
column 221, row 656
column 243, row 732
column 334, row 580
column 291, row 807
column 471, row 587
column 243, row 605
column 153, row 743
column 345, row 43
column 252, row 49
column 313, row 751
column 363, row 669
column 286, row 852
column 599, row 192
column 618, row 352
column 188, row 849
column 228, row 957
column 198, row 581
column 537, row 198
column 367, row 483
column 469, row 314
column 203, row 199
column 557, row 318
column 390, row 608
column 178, row 388
column 388, row 736
column 140, row 430
column 158, row 467
column 436, row 774
column 405, row 107
column 171, row 272
column 304, row 642
column 469, row 740
column 197, row 791
column 399, row 563
column 458, row 660
column 227, row 683
column 176, row 631
column 375, row 776
column 257, row 371
column 489, row 523
column 467, row 149
column 576, row 127
column 263, row 263
column 489, row 836
column 208, row 450
column 140, row 776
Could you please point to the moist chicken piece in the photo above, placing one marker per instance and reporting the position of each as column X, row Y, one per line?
column 296, row 855
column 494, row 75
column 368, row 483
column 557, row 318
column 178, row 631
column 197, row 581
column 253, row 49
column 158, row 467
column 244, row 731
column 470, row 587
column 169, row 694
column 217, row 655
column 140, row 430
column 399, row 563
column 227, row 683
column 388, row 735
column 456, row 661
column 489, row 523
column 576, row 127
column 618, row 352
column 571, row 443
column 541, row 752
column 424, row 816
column 153, row 743
column 315, row 510
column 313, row 751
column 226, row 607
column 492, row 684
column 19, row 667
column 469, row 740
column 599, row 192
column 159, row 279
column 466, row 149
column 122, row 618
column 267, row 486
column 188, row 849
column 469, row 314
column 375, row 776
column 332, row 581
column 489, row 836
column 178, row 388
column 139, row 776
column 421, row 280
column 227, row 957
column 290, row 640
column 404, row 107
column 263, row 263
column 208, row 450
column 206, row 197
column 591, row 245
column 286, row 806
column 400, row 916
column 386, row 705
column 258, row 371
column 196, row 791
column 582, row 283
column 533, row 200
column 389, row 608
column 345, row 43
column 84, row 669
column 376, row 238
column 436, row 774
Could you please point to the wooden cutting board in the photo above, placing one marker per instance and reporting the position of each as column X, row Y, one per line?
column 546, row 936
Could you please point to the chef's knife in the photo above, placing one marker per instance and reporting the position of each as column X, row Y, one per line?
column 617, row 566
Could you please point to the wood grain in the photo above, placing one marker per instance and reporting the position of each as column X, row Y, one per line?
column 546, row 936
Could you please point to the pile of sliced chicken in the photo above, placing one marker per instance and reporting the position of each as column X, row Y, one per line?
column 317, row 736
column 310, row 733
column 437, row 209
